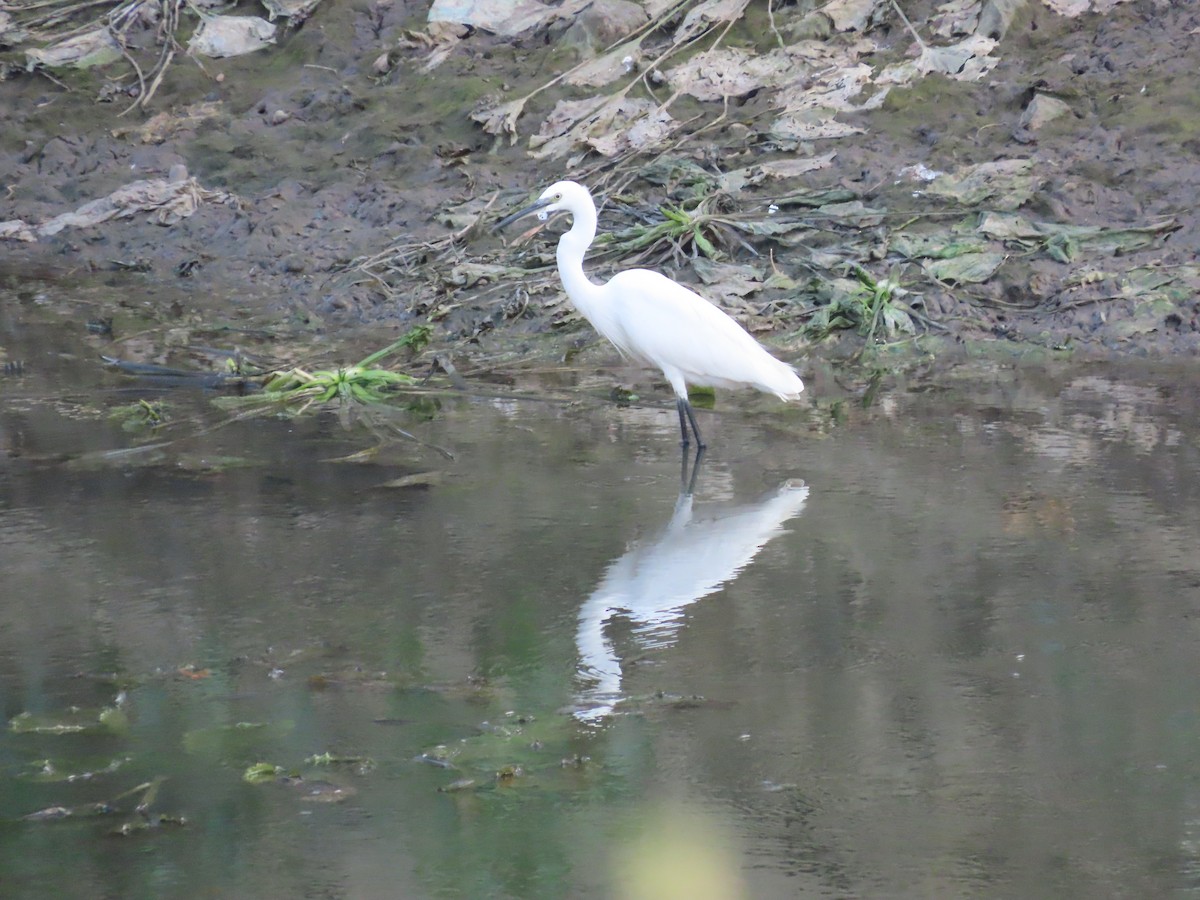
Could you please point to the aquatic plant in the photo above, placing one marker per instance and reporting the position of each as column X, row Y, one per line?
column 362, row 382
column 870, row 306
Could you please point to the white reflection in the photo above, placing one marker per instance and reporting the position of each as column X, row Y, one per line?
column 658, row 578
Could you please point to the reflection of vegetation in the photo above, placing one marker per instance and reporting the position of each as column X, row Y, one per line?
column 262, row 772
column 504, row 753
column 49, row 771
column 107, row 720
column 234, row 742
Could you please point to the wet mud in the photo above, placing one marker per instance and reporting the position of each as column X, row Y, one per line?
column 338, row 145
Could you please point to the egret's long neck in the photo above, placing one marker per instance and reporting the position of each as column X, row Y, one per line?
column 571, row 248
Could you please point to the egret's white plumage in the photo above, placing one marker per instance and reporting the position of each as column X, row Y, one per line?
column 657, row 321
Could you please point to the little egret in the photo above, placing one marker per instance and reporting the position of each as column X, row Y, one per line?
column 657, row 321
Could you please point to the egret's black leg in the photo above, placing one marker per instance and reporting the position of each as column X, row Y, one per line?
column 683, row 426
column 685, row 408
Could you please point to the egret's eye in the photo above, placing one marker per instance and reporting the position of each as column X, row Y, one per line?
column 558, row 196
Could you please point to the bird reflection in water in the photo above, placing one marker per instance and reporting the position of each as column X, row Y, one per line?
column 657, row 579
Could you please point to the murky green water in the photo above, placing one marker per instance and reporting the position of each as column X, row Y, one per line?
column 945, row 647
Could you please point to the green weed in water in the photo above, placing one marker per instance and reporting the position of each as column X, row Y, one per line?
column 363, row 382
column 144, row 415
column 361, row 391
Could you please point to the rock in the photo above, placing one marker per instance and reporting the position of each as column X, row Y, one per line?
column 1042, row 110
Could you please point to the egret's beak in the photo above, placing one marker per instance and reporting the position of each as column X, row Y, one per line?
column 521, row 213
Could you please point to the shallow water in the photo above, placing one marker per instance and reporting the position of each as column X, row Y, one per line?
column 943, row 646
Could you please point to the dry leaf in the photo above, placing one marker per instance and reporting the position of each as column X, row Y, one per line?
column 955, row 18
column 1006, row 182
column 225, row 36
column 779, row 168
column 716, row 74
column 967, row 60
column 501, row 119
column 706, row 14
column 608, row 125
column 506, row 18
column 95, row 48
column 851, row 15
column 637, row 125
column 608, row 67
column 1073, row 8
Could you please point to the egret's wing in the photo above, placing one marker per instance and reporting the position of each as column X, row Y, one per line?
column 671, row 326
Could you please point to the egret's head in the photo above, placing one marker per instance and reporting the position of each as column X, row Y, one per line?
column 562, row 196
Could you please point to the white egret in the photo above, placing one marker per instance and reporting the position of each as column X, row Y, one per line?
column 657, row 321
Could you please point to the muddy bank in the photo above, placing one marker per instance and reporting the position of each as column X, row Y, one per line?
column 353, row 166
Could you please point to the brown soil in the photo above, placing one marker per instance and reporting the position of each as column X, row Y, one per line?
column 358, row 161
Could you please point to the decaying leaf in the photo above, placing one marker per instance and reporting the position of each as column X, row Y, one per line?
column 1177, row 284
column 740, row 179
column 608, row 125
column 608, row 67
column 812, row 125
column 968, row 60
column 416, row 479
column 1073, row 8
column 1063, row 241
column 16, row 230
column 163, row 125
column 955, row 18
column 225, row 36
column 727, row 284
column 996, row 17
column 851, row 15
column 501, row 119
column 968, row 268
column 935, row 245
column 292, row 10
column 704, row 15
column 719, row 73
column 637, row 125
column 566, row 115
column 809, row 111
column 1008, row 226
column 169, row 200
column 93, row 48
column 1008, row 183
column 467, row 274
column 853, row 212
column 506, row 18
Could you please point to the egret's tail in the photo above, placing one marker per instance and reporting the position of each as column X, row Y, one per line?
column 783, row 382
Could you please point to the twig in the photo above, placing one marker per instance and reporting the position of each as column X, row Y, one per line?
column 904, row 18
column 120, row 39
column 774, row 30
